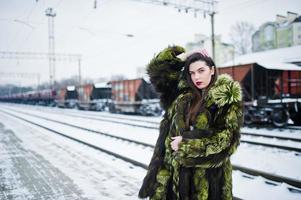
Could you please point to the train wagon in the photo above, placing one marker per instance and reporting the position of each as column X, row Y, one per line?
column 134, row 96
column 94, row 96
column 271, row 93
column 46, row 97
column 67, row 97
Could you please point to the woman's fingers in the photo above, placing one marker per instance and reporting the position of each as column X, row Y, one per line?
column 182, row 56
column 175, row 143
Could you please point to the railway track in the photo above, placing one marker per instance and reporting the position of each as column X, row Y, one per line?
column 298, row 150
column 270, row 127
column 85, row 129
column 93, row 114
column 155, row 125
column 242, row 140
column 295, row 185
column 122, row 157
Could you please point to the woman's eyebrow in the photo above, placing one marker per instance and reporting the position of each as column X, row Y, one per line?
column 197, row 69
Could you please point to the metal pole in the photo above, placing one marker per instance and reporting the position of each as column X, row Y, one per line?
column 79, row 72
column 51, row 14
column 212, row 36
column 281, row 87
column 252, row 81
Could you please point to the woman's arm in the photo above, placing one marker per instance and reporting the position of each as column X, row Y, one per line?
column 164, row 71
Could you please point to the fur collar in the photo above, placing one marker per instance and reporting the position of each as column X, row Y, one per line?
column 224, row 91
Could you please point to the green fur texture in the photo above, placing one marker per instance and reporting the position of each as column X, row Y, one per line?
column 225, row 91
column 164, row 71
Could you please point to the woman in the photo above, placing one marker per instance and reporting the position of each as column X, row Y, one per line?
column 199, row 131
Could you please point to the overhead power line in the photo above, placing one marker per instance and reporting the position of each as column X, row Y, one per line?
column 43, row 56
column 203, row 7
column 19, row 75
column 38, row 56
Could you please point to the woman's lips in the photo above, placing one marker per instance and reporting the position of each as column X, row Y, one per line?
column 198, row 83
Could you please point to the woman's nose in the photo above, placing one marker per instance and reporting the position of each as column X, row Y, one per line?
column 197, row 76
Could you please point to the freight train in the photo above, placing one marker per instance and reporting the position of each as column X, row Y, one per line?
column 271, row 95
column 122, row 96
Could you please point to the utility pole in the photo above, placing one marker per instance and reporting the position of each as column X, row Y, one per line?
column 212, row 34
column 51, row 48
column 79, row 71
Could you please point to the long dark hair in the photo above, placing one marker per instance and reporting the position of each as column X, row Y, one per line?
column 197, row 104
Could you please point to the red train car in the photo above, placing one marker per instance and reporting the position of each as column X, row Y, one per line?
column 46, row 97
column 134, row 96
column 259, row 81
column 272, row 93
column 94, row 96
column 289, row 83
column 67, row 97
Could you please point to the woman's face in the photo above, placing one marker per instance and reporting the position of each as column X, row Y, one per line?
column 200, row 74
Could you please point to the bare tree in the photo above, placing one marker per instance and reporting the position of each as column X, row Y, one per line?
column 241, row 37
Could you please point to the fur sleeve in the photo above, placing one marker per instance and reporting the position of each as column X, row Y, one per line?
column 164, row 71
column 213, row 150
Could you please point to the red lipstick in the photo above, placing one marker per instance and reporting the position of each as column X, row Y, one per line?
column 198, row 83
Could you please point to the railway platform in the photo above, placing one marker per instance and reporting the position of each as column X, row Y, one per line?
column 24, row 174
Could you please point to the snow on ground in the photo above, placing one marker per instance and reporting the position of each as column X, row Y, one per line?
column 136, row 152
column 250, row 189
column 95, row 174
column 270, row 160
column 26, row 175
column 62, row 169
column 251, row 156
column 145, row 135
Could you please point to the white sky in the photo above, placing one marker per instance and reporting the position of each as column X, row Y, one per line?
column 99, row 35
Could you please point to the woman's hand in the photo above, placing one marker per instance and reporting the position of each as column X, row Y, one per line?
column 175, row 143
column 182, row 56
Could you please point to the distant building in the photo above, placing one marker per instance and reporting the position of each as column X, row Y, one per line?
column 141, row 72
column 284, row 32
column 223, row 52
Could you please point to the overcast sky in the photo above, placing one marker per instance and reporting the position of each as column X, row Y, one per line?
column 101, row 35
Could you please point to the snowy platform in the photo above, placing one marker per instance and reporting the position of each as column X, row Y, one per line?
column 36, row 165
column 26, row 175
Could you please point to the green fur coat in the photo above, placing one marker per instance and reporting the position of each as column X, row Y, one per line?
column 201, row 168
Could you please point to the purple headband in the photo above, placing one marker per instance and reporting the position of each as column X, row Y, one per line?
column 203, row 52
